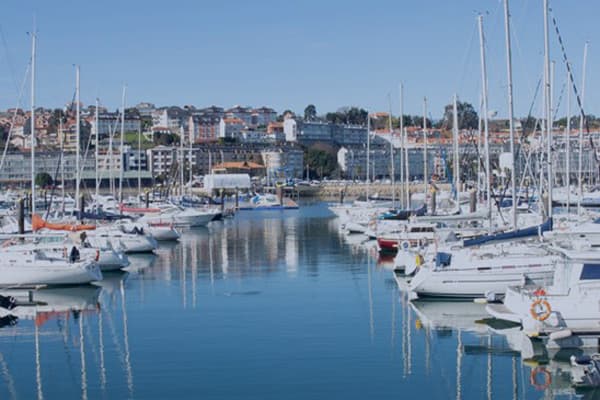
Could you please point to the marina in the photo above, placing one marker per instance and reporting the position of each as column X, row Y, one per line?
column 179, row 252
column 207, row 315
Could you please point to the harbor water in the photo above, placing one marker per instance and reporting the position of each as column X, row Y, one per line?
column 267, row 305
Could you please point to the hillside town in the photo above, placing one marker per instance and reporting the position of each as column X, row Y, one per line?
column 259, row 141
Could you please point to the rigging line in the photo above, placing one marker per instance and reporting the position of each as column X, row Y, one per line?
column 577, row 97
column 466, row 55
column 12, row 124
column 560, row 97
column 11, row 66
column 516, row 43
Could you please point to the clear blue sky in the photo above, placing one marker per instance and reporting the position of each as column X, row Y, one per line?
column 289, row 54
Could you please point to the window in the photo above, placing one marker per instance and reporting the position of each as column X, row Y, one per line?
column 590, row 271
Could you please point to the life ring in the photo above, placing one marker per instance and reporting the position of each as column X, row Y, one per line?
column 405, row 245
column 546, row 309
column 533, row 378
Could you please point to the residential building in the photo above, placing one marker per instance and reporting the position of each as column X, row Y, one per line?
column 263, row 116
column 204, row 128
column 243, row 113
column 230, row 128
column 316, row 131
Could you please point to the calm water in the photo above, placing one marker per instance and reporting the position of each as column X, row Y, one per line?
column 266, row 306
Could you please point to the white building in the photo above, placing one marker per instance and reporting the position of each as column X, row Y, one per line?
column 230, row 128
column 111, row 123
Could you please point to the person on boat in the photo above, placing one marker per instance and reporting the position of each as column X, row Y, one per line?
column 74, row 256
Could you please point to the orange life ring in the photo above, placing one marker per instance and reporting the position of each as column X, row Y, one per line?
column 546, row 309
column 534, row 375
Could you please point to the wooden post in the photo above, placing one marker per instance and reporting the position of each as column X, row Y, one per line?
column 21, row 216
column 237, row 199
column 81, row 206
column 473, row 200
column 222, row 194
column 279, row 192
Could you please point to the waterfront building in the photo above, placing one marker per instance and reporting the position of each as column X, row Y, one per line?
column 283, row 163
column 307, row 132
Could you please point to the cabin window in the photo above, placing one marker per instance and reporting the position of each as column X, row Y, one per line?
column 590, row 271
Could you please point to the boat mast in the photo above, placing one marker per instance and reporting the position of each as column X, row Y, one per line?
column 579, row 177
column 77, row 135
column 122, row 164
column 96, row 150
column 190, row 160
column 181, row 159
column 392, row 172
column 368, row 152
column 425, row 166
column 568, row 142
column 510, row 114
column 139, row 161
column 548, row 105
column 62, row 163
column 406, row 167
column 456, row 156
column 402, row 144
column 33, row 39
column 485, row 121
column 111, row 182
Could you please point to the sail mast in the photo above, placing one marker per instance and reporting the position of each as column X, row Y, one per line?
column 96, row 150
column 579, row 173
column 485, row 120
column 392, row 172
column 510, row 114
column 568, row 143
column 122, row 163
column 425, row 166
column 368, row 151
column 456, row 156
column 33, row 39
column 402, row 144
column 139, row 161
column 548, row 110
column 77, row 134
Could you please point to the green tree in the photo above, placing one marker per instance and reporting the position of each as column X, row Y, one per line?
column 467, row 116
column 321, row 160
column 43, row 179
column 310, row 112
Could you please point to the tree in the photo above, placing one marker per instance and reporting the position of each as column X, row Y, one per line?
column 43, row 179
column 283, row 114
column 310, row 112
column 321, row 160
column 467, row 116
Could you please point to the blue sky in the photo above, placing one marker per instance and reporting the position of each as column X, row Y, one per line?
column 289, row 54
